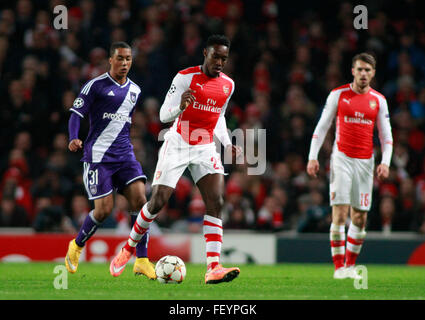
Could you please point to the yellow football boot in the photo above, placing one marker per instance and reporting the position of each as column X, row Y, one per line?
column 145, row 267
column 72, row 256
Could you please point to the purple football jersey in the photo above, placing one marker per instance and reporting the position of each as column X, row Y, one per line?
column 109, row 107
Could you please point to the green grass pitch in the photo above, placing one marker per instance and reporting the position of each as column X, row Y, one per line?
column 35, row 281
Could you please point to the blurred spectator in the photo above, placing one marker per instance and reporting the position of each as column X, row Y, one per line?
column 297, row 103
column 80, row 208
column 11, row 214
column 406, row 206
column 97, row 64
column 270, row 216
column 51, row 183
column 237, row 219
column 317, row 217
column 193, row 223
column 387, row 210
column 16, row 183
column 420, row 218
column 234, row 200
column 121, row 215
column 51, row 218
column 189, row 52
column 417, row 108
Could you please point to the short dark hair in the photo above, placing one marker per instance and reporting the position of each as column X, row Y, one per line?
column 218, row 39
column 116, row 45
column 365, row 57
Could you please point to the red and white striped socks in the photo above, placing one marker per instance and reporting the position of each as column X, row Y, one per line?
column 143, row 221
column 337, row 238
column 355, row 239
column 213, row 234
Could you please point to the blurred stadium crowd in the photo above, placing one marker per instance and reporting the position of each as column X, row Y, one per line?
column 284, row 60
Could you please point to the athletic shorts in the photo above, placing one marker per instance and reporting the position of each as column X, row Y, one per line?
column 101, row 179
column 176, row 155
column 351, row 181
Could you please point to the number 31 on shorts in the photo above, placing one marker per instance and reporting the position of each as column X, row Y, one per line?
column 94, row 177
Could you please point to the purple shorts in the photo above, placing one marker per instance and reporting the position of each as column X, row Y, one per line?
column 101, row 179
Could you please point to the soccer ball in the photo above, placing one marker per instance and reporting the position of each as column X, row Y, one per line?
column 170, row 269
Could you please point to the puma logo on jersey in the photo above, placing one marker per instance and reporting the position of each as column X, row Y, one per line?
column 201, row 85
column 346, row 100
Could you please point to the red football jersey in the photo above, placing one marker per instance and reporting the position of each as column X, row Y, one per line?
column 356, row 115
column 355, row 122
column 197, row 123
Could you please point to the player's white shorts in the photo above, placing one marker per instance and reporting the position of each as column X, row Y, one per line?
column 351, row 180
column 175, row 155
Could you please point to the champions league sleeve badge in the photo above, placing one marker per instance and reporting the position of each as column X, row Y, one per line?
column 78, row 103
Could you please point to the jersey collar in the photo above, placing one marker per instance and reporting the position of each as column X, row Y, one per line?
column 352, row 89
column 120, row 85
column 202, row 71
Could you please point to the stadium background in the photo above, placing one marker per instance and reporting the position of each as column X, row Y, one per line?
column 284, row 59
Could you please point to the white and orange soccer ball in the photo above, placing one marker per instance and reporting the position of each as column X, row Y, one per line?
column 170, row 269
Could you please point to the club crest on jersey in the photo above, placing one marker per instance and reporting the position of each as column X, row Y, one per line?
column 133, row 97
column 372, row 104
column 157, row 175
column 226, row 90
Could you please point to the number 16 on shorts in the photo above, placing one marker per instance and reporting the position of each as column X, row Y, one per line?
column 364, row 199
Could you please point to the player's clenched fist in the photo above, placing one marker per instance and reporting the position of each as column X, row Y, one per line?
column 75, row 145
column 187, row 98
column 313, row 168
column 383, row 171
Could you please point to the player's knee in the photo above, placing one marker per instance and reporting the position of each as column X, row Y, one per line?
column 100, row 214
column 214, row 204
column 157, row 202
column 160, row 196
column 339, row 220
column 102, row 210
column 138, row 203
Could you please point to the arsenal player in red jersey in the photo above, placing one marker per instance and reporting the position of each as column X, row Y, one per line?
column 356, row 107
column 196, row 102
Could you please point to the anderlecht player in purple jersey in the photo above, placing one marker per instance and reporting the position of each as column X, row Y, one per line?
column 108, row 102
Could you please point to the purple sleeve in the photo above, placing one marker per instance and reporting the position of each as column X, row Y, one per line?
column 73, row 126
column 85, row 99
